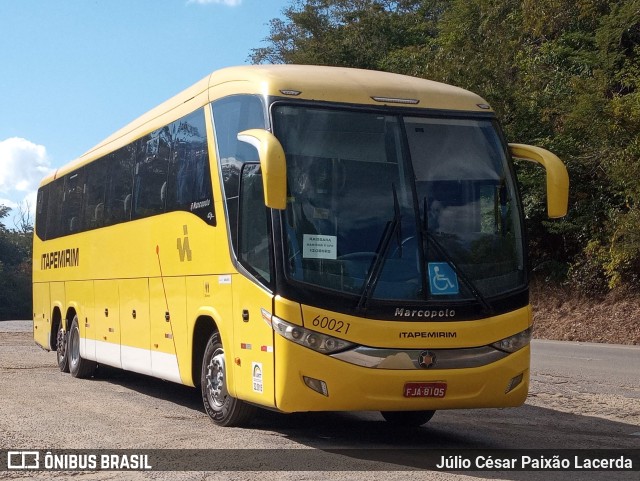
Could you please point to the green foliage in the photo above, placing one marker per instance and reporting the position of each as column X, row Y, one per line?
column 373, row 34
column 15, row 270
column 562, row 74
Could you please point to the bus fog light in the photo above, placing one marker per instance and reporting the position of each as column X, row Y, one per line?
column 317, row 385
column 514, row 383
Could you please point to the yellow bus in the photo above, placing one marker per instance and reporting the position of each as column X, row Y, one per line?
column 297, row 238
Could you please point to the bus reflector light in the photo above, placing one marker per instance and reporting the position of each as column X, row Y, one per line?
column 266, row 316
column 291, row 92
column 514, row 382
column 394, row 100
column 317, row 385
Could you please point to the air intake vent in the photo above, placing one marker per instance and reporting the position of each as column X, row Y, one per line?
column 392, row 100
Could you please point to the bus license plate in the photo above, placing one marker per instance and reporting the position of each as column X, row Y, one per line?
column 425, row 389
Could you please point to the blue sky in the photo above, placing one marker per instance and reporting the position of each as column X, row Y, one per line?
column 74, row 71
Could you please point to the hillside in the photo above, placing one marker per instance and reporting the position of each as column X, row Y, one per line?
column 562, row 315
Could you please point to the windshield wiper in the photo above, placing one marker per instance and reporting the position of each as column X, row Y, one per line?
column 431, row 239
column 392, row 227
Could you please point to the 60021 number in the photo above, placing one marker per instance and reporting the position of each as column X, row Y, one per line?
column 324, row 322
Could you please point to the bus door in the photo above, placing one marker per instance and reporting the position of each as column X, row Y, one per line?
column 253, row 337
column 168, row 325
column 134, row 325
column 42, row 314
column 107, row 320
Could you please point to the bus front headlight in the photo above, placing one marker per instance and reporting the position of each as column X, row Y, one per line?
column 305, row 337
column 514, row 343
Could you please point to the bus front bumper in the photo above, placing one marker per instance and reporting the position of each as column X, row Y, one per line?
column 309, row 381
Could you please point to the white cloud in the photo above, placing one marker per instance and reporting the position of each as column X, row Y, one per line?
column 229, row 3
column 8, row 203
column 22, row 165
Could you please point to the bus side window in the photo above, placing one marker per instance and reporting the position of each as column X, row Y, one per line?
column 151, row 168
column 120, row 185
column 54, row 211
column 41, row 211
column 74, row 188
column 94, row 194
column 188, row 186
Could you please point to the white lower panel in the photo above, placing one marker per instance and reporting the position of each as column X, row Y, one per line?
column 136, row 359
column 108, row 353
column 165, row 366
column 143, row 361
column 88, row 349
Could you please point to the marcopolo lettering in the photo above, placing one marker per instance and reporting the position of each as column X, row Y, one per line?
column 425, row 313
column 200, row 205
column 61, row 258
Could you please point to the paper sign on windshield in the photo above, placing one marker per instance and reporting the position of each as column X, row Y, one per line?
column 319, row 246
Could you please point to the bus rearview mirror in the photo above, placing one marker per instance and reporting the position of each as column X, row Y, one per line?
column 272, row 164
column 557, row 176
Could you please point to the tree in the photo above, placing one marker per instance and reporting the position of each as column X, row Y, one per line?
column 15, row 270
column 370, row 34
column 562, row 74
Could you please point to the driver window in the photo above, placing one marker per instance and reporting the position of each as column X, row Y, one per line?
column 253, row 231
column 232, row 115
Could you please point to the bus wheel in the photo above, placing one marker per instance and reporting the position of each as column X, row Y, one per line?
column 79, row 367
column 221, row 407
column 61, row 349
column 407, row 418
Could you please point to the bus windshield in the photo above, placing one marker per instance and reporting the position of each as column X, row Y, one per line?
column 399, row 207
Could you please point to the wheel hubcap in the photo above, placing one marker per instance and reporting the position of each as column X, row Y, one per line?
column 62, row 343
column 216, row 389
column 74, row 348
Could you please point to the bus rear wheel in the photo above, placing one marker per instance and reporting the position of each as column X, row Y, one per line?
column 78, row 366
column 407, row 418
column 222, row 408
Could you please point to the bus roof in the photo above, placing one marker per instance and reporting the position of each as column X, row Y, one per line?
column 308, row 82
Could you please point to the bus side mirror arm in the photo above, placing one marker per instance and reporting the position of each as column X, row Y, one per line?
column 557, row 176
column 272, row 164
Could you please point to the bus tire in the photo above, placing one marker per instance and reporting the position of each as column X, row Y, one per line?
column 78, row 366
column 407, row 419
column 62, row 347
column 222, row 408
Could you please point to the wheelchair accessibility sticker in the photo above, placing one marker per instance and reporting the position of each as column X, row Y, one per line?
column 443, row 279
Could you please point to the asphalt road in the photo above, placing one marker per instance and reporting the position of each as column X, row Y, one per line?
column 582, row 396
column 597, row 363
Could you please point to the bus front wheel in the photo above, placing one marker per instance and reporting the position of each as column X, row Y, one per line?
column 407, row 418
column 222, row 408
